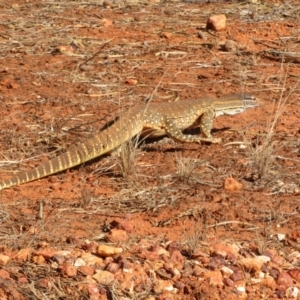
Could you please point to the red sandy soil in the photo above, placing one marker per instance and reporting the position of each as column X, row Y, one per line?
column 189, row 221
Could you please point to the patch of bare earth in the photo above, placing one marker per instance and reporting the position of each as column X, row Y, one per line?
column 168, row 221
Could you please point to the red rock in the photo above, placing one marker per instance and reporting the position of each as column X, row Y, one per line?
column 113, row 267
column 216, row 22
column 269, row 282
column 23, row 255
column 39, row 259
column 278, row 260
column 90, row 246
column 22, row 280
column 86, row 270
column 44, row 282
column 237, row 275
column 91, row 259
column 106, row 22
column 4, row 259
column 215, row 278
column 59, row 258
column 231, row 184
column 117, row 235
column 46, row 252
column 68, row 270
column 162, row 285
column 224, row 250
column 94, row 291
column 127, row 225
column 253, row 263
column 174, row 246
column 4, row 274
column 104, row 277
column 105, row 250
column 284, row 280
column 131, row 81
column 167, row 35
column 177, row 257
column 198, row 271
column 228, row 282
column 295, row 273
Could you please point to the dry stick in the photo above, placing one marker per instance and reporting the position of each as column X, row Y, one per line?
column 232, row 222
column 95, row 54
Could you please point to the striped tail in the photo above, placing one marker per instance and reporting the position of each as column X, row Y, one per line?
column 100, row 144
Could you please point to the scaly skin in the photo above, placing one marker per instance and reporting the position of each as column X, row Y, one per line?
column 155, row 119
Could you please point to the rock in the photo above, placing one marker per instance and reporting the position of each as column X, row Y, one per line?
column 216, row 22
column 162, row 285
column 295, row 273
column 86, row 270
column 254, row 263
column 231, row 184
column 92, row 260
column 4, row 259
column 117, row 235
column 230, row 46
column 23, row 255
column 105, row 250
column 215, row 278
column 79, row 262
column 68, row 270
column 284, row 280
column 104, row 277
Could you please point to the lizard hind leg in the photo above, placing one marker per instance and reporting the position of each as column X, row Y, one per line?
column 206, row 124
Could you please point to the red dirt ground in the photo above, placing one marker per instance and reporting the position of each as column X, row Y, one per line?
column 67, row 68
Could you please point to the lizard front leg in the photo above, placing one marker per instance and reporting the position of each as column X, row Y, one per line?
column 206, row 124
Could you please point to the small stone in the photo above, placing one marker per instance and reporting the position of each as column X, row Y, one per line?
column 4, row 274
column 86, row 270
column 162, row 285
column 105, row 250
column 177, row 257
column 39, row 259
column 226, row 271
column 59, row 258
column 117, row 235
column 224, row 250
column 278, row 260
column 107, row 3
column 254, row 263
column 68, row 270
column 23, row 255
column 231, row 46
column 215, row 278
column 131, row 81
column 292, row 292
column 106, row 22
column 104, row 277
column 94, row 291
column 113, row 267
column 91, row 259
column 4, row 259
column 231, row 184
column 281, row 236
column 284, row 280
column 216, row 22
column 46, row 252
column 79, row 262
column 167, row 35
column 295, row 273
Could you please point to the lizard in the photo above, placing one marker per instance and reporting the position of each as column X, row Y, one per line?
column 151, row 120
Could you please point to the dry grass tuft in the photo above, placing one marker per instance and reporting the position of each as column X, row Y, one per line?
column 185, row 167
column 261, row 153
